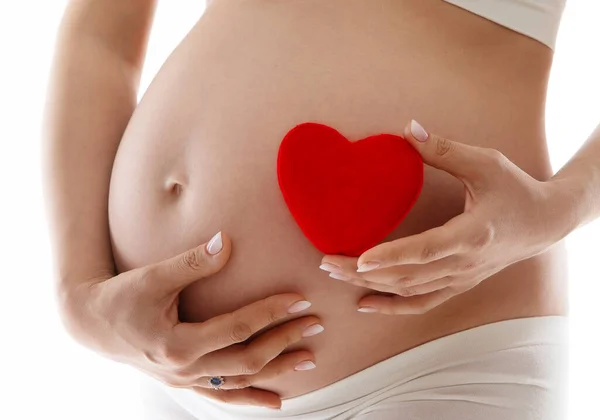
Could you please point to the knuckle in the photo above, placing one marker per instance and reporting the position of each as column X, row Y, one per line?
column 271, row 313
column 404, row 282
column 242, row 382
column 484, row 237
column 408, row 280
column 251, row 366
column 401, row 256
column 193, row 259
column 443, row 147
column 407, row 292
column 288, row 338
column 240, row 331
column 281, row 368
column 170, row 355
column 270, row 307
column 430, row 253
column 496, row 156
column 469, row 265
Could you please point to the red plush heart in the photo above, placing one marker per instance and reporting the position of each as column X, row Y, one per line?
column 347, row 196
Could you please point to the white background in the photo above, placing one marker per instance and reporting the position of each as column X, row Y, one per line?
column 45, row 375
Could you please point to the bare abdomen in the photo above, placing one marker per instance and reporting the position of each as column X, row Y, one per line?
column 199, row 155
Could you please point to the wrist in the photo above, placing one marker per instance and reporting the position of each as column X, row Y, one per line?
column 568, row 203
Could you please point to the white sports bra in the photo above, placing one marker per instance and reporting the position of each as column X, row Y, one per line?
column 537, row 19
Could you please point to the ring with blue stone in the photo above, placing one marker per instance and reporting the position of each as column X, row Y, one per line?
column 216, row 382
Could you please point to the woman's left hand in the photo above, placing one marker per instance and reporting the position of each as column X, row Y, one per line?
column 509, row 216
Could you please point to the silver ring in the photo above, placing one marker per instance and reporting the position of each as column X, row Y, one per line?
column 216, row 382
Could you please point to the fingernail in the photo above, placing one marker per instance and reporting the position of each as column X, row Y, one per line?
column 368, row 266
column 338, row 276
column 313, row 330
column 418, row 131
column 367, row 309
column 332, row 268
column 306, row 365
column 215, row 245
column 299, row 306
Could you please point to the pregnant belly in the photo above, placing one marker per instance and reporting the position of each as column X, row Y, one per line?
column 199, row 156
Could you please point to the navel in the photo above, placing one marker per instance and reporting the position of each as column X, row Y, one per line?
column 174, row 187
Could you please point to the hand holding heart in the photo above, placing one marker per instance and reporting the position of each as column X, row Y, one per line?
column 506, row 219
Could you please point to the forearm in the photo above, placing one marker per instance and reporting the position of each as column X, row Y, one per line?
column 578, row 185
column 91, row 95
column 123, row 26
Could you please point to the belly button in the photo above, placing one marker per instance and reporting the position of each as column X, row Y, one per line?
column 174, row 187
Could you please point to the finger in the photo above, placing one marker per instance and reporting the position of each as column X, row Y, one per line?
column 410, row 275
column 344, row 268
column 247, row 396
column 174, row 274
column 431, row 245
column 285, row 363
column 391, row 276
column 197, row 339
column 425, row 288
column 399, row 305
column 338, row 263
column 404, row 275
column 249, row 359
column 468, row 163
column 385, row 288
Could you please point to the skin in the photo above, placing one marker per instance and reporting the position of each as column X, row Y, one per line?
column 114, row 215
column 199, row 155
column 131, row 317
column 187, row 355
column 425, row 270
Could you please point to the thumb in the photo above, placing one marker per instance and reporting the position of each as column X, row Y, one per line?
column 458, row 159
column 174, row 274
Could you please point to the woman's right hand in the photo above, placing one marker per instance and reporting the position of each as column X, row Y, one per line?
column 133, row 318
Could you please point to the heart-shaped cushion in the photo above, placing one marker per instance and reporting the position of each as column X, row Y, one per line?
column 347, row 196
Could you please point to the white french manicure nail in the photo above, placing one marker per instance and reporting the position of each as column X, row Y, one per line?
column 338, row 276
column 313, row 330
column 299, row 306
column 371, row 265
column 215, row 245
column 306, row 365
column 332, row 268
column 367, row 309
column 418, row 131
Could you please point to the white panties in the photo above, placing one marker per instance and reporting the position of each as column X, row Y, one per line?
column 509, row 370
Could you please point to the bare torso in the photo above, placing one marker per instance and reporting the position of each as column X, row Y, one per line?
column 199, row 156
